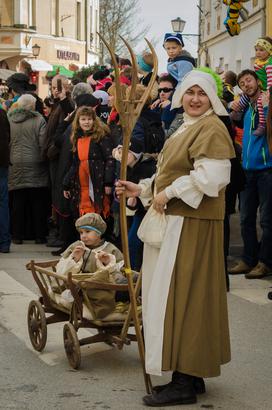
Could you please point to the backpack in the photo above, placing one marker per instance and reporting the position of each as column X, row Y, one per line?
column 154, row 136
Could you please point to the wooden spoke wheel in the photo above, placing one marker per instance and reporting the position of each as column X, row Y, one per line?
column 71, row 345
column 37, row 327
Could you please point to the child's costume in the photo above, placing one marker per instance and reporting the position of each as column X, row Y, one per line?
column 103, row 301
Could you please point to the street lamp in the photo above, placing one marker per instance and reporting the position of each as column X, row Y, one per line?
column 178, row 26
column 36, row 50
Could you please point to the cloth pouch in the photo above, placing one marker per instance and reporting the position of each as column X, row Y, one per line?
column 153, row 227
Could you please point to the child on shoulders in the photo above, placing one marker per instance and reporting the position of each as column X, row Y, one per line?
column 179, row 63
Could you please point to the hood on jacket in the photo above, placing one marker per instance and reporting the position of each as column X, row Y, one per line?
column 21, row 115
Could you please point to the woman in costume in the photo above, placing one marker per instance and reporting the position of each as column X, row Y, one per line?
column 184, row 290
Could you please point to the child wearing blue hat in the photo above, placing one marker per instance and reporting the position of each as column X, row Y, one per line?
column 178, row 63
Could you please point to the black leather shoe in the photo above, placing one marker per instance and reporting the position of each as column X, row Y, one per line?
column 198, row 384
column 178, row 392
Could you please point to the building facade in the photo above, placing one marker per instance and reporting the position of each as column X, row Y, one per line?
column 218, row 49
column 65, row 31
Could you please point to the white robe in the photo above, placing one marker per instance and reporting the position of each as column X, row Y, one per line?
column 208, row 178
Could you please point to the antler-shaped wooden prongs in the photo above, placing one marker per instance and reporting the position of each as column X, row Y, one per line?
column 129, row 109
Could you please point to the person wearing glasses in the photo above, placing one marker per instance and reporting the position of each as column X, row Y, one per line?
column 162, row 105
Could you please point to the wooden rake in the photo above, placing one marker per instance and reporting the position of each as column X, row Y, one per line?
column 129, row 109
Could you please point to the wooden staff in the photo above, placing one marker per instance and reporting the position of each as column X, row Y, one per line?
column 129, row 109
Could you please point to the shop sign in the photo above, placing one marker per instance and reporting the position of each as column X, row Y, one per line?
column 68, row 55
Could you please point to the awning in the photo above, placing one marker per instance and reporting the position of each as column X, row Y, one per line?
column 59, row 69
column 39, row 65
column 4, row 73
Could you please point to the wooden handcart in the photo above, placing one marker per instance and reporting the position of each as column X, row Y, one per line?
column 51, row 308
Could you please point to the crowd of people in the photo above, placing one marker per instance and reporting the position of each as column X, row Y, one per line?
column 197, row 146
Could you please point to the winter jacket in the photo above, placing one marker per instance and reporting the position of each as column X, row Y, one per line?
column 179, row 66
column 4, row 139
column 101, row 167
column 138, row 136
column 27, row 135
column 255, row 153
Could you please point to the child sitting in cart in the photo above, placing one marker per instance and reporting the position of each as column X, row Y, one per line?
column 92, row 253
column 98, row 258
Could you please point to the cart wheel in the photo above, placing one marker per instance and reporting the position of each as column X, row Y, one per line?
column 269, row 295
column 71, row 345
column 37, row 327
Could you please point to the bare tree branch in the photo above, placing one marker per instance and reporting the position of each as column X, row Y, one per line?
column 120, row 17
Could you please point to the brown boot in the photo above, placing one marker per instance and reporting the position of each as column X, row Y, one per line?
column 240, row 268
column 259, row 272
column 179, row 392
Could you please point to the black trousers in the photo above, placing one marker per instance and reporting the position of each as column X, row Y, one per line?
column 67, row 231
column 33, row 202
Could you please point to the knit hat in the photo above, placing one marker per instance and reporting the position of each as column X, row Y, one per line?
column 91, row 222
column 86, row 99
column 102, row 96
column 81, row 88
column 19, row 82
column 145, row 62
column 101, row 74
column 173, row 37
column 204, row 81
column 265, row 44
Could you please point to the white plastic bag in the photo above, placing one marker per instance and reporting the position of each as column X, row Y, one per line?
column 153, row 227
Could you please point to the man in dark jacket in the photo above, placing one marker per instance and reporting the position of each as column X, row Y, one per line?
column 4, row 164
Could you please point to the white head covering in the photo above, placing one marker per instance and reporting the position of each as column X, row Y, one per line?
column 204, row 81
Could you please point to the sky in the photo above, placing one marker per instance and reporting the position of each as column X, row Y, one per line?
column 159, row 13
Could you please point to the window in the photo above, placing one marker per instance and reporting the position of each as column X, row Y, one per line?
column 218, row 25
column 6, row 13
column 78, row 21
column 226, row 68
column 33, row 5
column 96, row 29
column 54, row 17
column 238, row 66
column 208, row 28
